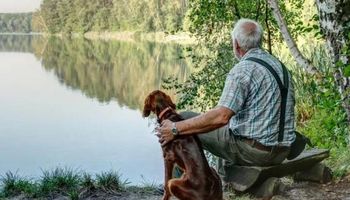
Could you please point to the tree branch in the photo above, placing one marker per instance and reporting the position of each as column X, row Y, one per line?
column 300, row 59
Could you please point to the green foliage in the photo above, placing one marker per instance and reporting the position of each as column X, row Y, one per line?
column 319, row 112
column 81, row 16
column 14, row 185
column 211, row 23
column 327, row 127
column 18, row 23
column 319, row 109
column 67, row 183
column 203, row 88
column 88, row 182
column 110, row 182
column 60, row 181
column 340, row 164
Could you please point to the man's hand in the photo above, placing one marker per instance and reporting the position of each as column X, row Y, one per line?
column 165, row 133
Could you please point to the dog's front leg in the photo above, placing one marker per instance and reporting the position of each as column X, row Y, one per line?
column 168, row 166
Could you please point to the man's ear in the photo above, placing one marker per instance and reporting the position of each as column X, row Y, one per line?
column 236, row 45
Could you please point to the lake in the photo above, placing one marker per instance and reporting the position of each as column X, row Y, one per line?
column 77, row 103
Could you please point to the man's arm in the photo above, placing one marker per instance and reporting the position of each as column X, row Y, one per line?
column 203, row 123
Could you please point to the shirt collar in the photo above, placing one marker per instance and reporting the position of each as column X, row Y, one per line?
column 250, row 52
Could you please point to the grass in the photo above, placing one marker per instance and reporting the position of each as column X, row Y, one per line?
column 74, row 185
column 61, row 182
column 88, row 182
column 110, row 182
column 15, row 185
column 147, row 187
column 340, row 164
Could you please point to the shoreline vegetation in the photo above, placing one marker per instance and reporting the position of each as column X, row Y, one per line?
column 68, row 183
column 73, row 184
column 127, row 36
column 158, row 37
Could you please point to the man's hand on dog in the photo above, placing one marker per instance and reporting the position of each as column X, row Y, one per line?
column 165, row 134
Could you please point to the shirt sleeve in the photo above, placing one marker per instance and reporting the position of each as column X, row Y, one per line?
column 235, row 91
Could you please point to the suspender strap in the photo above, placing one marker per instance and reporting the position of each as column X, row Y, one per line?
column 283, row 90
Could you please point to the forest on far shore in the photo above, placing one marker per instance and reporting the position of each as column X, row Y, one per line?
column 15, row 22
column 81, row 16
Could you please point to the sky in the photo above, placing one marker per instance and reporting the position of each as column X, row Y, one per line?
column 14, row 6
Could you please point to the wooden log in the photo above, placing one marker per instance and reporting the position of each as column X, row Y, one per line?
column 267, row 189
column 318, row 173
column 241, row 178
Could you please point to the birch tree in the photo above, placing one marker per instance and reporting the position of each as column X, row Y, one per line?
column 299, row 58
column 335, row 24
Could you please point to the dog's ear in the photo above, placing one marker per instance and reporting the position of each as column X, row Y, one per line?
column 170, row 102
column 147, row 107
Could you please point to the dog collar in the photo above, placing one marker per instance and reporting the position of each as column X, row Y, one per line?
column 163, row 112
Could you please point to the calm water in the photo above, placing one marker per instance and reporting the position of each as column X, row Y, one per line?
column 77, row 103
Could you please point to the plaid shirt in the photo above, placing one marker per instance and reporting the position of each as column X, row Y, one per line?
column 252, row 92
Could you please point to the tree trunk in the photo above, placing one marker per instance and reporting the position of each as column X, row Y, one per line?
column 301, row 60
column 334, row 20
column 269, row 42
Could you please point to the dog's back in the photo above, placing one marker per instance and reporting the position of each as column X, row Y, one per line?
column 199, row 181
column 189, row 156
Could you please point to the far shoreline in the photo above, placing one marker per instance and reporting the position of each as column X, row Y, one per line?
column 127, row 36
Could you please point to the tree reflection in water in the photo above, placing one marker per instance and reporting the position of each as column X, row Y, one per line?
column 105, row 70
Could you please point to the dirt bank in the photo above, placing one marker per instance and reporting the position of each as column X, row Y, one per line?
column 337, row 190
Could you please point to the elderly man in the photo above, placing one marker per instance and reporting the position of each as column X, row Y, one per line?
column 243, row 129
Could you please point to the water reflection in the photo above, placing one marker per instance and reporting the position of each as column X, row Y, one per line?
column 105, row 70
column 22, row 43
column 88, row 119
column 113, row 70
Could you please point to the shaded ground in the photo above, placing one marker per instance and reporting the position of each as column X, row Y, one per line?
column 339, row 190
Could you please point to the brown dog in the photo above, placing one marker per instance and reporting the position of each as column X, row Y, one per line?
column 199, row 181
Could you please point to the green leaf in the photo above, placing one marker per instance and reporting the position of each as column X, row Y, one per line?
column 308, row 29
column 347, row 71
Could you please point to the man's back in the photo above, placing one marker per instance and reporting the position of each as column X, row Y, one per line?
column 253, row 94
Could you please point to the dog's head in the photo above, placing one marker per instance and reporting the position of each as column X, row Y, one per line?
column 155, row 102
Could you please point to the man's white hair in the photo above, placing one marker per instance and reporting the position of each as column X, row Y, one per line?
column 248, row 34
